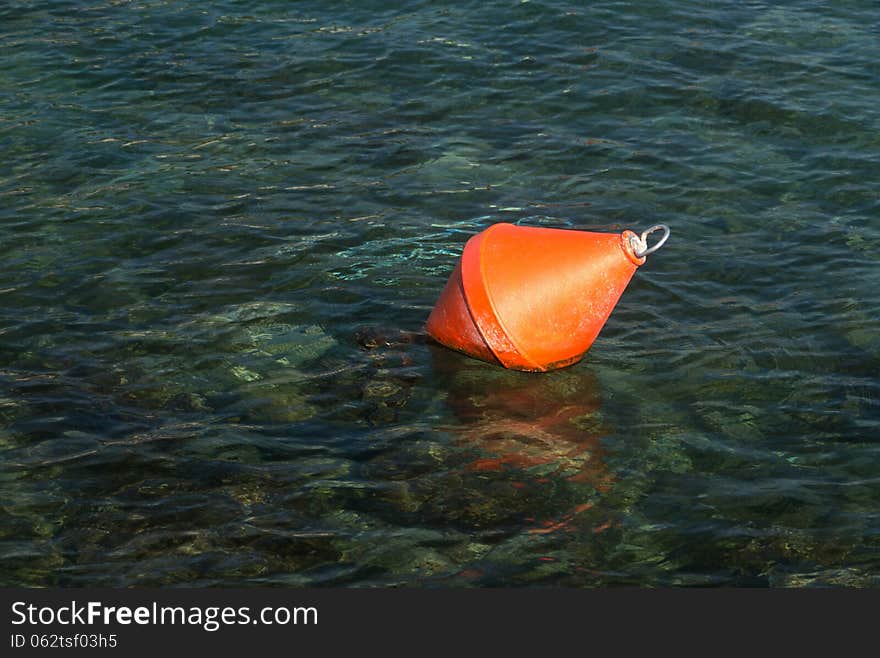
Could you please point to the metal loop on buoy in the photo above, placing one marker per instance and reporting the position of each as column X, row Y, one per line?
column 640, row 244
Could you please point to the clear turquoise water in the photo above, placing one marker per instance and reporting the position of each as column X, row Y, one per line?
column 203, row 205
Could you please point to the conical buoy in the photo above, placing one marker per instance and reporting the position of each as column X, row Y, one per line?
column 532, row 298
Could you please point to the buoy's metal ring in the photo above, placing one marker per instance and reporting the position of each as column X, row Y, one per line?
column 640, row 243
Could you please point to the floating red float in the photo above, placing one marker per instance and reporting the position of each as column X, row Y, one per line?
column 534, row 298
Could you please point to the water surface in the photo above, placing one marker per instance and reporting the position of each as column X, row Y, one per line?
column 203, row 205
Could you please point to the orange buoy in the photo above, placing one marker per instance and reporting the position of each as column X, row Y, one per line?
column 532, row 298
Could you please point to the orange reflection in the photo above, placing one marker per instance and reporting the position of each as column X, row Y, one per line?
column 543, row 426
